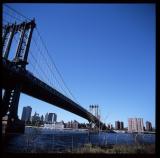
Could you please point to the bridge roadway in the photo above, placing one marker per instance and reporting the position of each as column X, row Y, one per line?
column 31, row 85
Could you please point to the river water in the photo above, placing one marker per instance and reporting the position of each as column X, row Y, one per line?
column 38, row 140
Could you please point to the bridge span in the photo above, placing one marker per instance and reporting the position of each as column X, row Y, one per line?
column 36, row 88
column 16, row 79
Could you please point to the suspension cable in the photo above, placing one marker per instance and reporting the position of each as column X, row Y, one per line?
column 42, row 41
column 50, row 57
column 17, row 12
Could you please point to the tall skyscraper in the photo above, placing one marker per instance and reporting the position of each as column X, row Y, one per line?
column 35, row 117
column 42, row 118
column 135, row 125
column 52, row 117
column 121, row 125
column 140, row 125
column 148, row 126
column 46, row 118
column 117, row 125
column 26, row 114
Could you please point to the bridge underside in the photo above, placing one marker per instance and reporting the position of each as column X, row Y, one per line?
column 34, row 87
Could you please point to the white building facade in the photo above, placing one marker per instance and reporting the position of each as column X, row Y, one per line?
column 135, row 125
column 56, row 125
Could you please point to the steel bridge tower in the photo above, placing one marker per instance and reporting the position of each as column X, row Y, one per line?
column 10, row 98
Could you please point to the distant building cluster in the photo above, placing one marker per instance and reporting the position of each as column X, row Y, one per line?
column 136, row 125
column 119, row 125
column 50, row 121
column 50, row 118
column 72, row 124
column 36, row 119
column 109, row 126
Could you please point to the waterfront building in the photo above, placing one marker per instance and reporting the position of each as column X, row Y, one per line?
column 35, row 117
column 46, row 118
column 72, row 124
column 111, row 127
column 26, row 114
column 75, row 124
column 55, row 125
column 117, row 125
column 140, row 125
column 42, row 119
column 148, row 126
column 67, row 125
column 59, row 125
column 121, row 125
column 130, row 125
column 144, row 128
column 52, row 117
column 135, row 125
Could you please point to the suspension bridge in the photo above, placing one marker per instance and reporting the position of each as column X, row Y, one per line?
column 28, row 67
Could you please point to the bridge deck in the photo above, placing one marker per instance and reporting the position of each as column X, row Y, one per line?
column 34, row 87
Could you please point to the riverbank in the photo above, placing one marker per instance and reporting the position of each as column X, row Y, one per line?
column 116, row 149
column 36, row 141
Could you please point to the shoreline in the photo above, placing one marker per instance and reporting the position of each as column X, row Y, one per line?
column 87, row 130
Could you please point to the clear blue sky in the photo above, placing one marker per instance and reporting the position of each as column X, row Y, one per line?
column 106, row 53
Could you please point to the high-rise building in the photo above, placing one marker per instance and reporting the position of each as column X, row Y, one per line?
column 26, row 114
column 117, row 125
column 46, row 118
column 52, row 117
column 111, row 127
column 75, row 124
column 121, row 125
column 135, row 125
column 148, row 126
column 42, row 118
column 140, row 125
column 36, row 117
column 72, row 124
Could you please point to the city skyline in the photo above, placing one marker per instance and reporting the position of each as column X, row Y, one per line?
column 109, row 48
column 118, row 124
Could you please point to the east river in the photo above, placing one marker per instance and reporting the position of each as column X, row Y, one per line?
column 38, row 140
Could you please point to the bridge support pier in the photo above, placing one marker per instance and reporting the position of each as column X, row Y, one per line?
column 10, row 121
column 12, row 125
